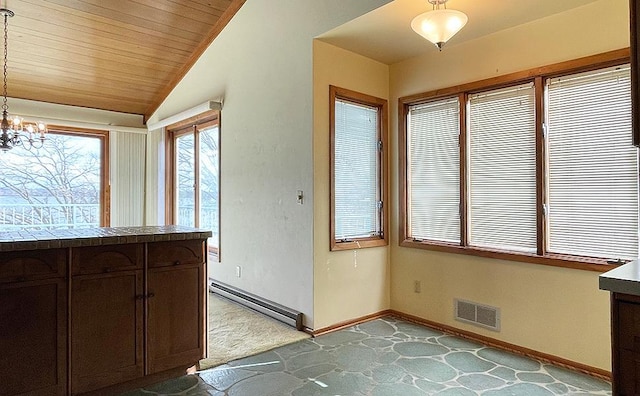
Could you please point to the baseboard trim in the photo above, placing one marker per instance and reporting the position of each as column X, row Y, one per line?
column 352, row 322
column 544, row 357
column 276, row 311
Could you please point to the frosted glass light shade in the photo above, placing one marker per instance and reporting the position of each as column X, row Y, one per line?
column 438, row 26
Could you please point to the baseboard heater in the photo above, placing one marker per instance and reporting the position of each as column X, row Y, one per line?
column 283, row 314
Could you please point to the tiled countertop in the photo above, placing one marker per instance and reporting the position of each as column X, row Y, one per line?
column 624, row 279
column 31, row 240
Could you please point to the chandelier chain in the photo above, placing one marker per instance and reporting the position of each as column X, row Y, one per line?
column 16, row 133
column 4, row 71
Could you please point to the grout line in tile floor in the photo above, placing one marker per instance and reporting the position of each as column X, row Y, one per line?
column 383, row 357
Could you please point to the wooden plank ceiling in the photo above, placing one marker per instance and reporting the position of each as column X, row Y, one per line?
column 120, row 55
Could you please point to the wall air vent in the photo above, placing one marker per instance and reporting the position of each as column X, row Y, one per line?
column 477, row 314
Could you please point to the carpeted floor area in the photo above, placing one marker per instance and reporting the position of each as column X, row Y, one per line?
column 236, row 332
column 384, row 357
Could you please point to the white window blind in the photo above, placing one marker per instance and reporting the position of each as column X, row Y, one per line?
column 356, row 171
column 502, row 169
column 433, row 170
column 592, row 165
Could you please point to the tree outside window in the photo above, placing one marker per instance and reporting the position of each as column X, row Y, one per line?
column 58, row 186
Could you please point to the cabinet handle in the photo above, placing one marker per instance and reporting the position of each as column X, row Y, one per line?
column 106, row 269
column 177, row 262
column 150, row 295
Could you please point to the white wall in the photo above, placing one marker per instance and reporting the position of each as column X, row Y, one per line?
column 260, row 66
column 154, row 179
column 553, row 310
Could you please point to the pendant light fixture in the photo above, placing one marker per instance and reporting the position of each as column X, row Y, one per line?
column 13, row 132
column 439, row 24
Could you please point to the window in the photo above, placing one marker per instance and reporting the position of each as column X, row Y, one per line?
column 194, row 175
column 535, row 166
column 62, row 185
column 592, row 167
column 502, row 169
column 358, row 170
column 434, row 170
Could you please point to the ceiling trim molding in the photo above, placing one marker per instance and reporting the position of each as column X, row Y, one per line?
column 183, row 115
column 83, row 124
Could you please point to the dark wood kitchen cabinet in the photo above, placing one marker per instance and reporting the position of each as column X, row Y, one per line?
column 109, row 311
column 112, row 293
column 33, row 323
column 625, row 334
column 176, row 305
column 106, row 316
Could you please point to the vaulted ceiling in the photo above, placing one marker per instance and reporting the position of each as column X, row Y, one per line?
column 120, row 55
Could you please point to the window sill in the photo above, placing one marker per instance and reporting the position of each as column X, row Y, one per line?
column 358, row 244
column 555, row 260
column 214, row 256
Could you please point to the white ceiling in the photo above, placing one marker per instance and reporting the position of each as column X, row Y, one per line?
column 385, row 34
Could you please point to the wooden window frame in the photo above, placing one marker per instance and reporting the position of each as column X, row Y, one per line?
column 382, row 106
column 538, row 76
column 173, row 131
column 105, row 185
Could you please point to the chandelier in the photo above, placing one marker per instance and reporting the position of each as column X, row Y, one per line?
column 439, row 24
column 15, row 132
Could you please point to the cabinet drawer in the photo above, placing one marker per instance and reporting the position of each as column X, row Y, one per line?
column 162, row 254
column 32, row 265
column 107, row 258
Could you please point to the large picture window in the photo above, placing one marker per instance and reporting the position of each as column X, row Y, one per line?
column 547, row 170
column 358, row 170
column 62, row 185
column 193, row 172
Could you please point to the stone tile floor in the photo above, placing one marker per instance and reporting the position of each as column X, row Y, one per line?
column 384, row 357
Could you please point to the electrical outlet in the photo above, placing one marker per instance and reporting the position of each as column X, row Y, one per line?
column 417, row 287
column 238, row 271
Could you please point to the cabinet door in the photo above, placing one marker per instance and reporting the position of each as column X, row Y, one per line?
column 33, row 345
column 628, row 382
column 176, row 317
column 628, row 329
column 106, row 329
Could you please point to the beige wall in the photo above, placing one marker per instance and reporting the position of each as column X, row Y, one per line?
column 347, row 284
column 552, row 310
